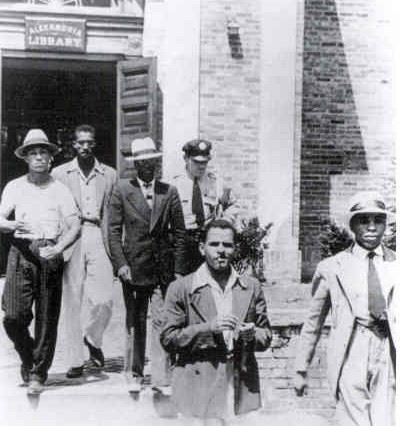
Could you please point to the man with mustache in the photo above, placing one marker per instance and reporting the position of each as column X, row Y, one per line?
column 45, row 223
column 356, row 288
column 214, row 322
column 88, row 273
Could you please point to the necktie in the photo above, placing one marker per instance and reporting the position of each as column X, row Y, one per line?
column 376, row 300
column 197, row 206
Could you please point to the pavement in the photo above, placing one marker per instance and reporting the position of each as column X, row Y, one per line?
column 101, row 397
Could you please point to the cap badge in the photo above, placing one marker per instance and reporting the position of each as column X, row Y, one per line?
column 202, row 146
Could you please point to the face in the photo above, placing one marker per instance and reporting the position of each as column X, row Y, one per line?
column 369, row 229
column 218, row 249
column 146, row 168
column 38, row 159
column 84, row 144
column 195, row 168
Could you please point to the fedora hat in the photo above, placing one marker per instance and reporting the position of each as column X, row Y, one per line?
column 144, row 149
column 35, row 137
column 367, row 203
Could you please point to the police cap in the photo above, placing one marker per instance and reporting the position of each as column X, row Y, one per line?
column 198, row 149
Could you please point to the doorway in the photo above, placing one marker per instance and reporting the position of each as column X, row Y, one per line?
column 56, row 96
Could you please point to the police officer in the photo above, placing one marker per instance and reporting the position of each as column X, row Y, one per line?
column 203, row 197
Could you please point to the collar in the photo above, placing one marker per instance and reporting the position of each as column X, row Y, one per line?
column 142, row 185
column 203, row 277
column 98, row 167
column 362, row 253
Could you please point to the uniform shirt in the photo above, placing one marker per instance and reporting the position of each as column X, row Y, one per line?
column 223, row 298
column 361, row 260
column 43, row 208
column 148, row 191
column 212, row 191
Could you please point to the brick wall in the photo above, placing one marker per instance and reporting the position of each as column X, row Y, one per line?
column 229, row 94
column 347, row 140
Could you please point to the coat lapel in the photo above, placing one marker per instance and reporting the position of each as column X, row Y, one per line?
column 100, row 187
column 242, row 293
column 202, row 302
column 75, row 185
column 136, row 199
column 348, row 274
column 160, row 199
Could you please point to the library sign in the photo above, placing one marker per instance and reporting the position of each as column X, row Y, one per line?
column 61, row 35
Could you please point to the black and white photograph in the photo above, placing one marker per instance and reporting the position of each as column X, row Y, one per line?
column 198, row 209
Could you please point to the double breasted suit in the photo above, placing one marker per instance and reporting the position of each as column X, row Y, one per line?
column 151, row 242
column 200, row 369
column 337, row 287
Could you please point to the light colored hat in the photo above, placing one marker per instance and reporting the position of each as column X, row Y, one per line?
column 143, row 149
column 35, row 137
column 367, row 202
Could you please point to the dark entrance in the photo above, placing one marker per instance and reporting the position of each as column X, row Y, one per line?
column 55, row 95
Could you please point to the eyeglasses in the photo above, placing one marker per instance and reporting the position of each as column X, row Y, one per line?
column 90, row 142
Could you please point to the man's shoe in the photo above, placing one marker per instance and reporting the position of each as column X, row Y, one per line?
column 75, row 372
column 24, row 371
column 95, row 354
column 35, row 387
column 163, row 390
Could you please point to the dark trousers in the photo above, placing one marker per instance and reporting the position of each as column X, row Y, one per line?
column 31, row 281
column 194, row 259
column 137, row 299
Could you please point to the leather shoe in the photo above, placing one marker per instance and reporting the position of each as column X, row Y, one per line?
column 95, row 354
column 35, row 387
column 75, row 372
column 24, row 371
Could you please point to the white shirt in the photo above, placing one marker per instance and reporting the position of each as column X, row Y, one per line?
column 361, row 259
column 88, row 192
column 43, row 208
column 148, row 191
column 223, row 298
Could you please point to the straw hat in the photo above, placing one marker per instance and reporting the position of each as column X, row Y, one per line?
column 143, row 149
column 35, row 137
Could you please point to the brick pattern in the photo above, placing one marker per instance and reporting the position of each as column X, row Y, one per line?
column 229, row 94
column 347, row 142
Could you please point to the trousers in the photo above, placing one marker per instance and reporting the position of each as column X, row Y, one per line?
column 367, row 382
column 87, row 278
column 32, row 282
column 137, row 302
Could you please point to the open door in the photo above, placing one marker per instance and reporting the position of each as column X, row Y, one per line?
column 136, row 108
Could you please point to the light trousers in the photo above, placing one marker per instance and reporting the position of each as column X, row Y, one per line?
column 367, row 382
column 87, row 277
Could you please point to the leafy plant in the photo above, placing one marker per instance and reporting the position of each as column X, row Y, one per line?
column 250, row 245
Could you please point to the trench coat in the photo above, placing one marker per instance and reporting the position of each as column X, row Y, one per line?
column 201, row 355
column 153, row 242
column 335, row 294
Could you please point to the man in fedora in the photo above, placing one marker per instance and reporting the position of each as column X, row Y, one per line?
column 45, row 223
column 88, row 273
column 149, row 256
column 203, row 197
column 356, row 286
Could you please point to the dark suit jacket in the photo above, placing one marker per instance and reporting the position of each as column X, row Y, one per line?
column 152, row 243
column 201, row 354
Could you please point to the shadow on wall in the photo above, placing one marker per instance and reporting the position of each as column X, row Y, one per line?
column 332, row 142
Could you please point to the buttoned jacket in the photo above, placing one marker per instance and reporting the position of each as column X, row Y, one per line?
column 149, row 240
column 199, row 374
column 105, row 176
column 335, row 293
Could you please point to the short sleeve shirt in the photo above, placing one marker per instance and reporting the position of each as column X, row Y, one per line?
column 43, row 208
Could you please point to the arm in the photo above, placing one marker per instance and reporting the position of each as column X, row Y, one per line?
column 312, row 327
column 263, row 333
column 177, row 333
column 179, row 232
column 6, row 207
column 115, row 229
